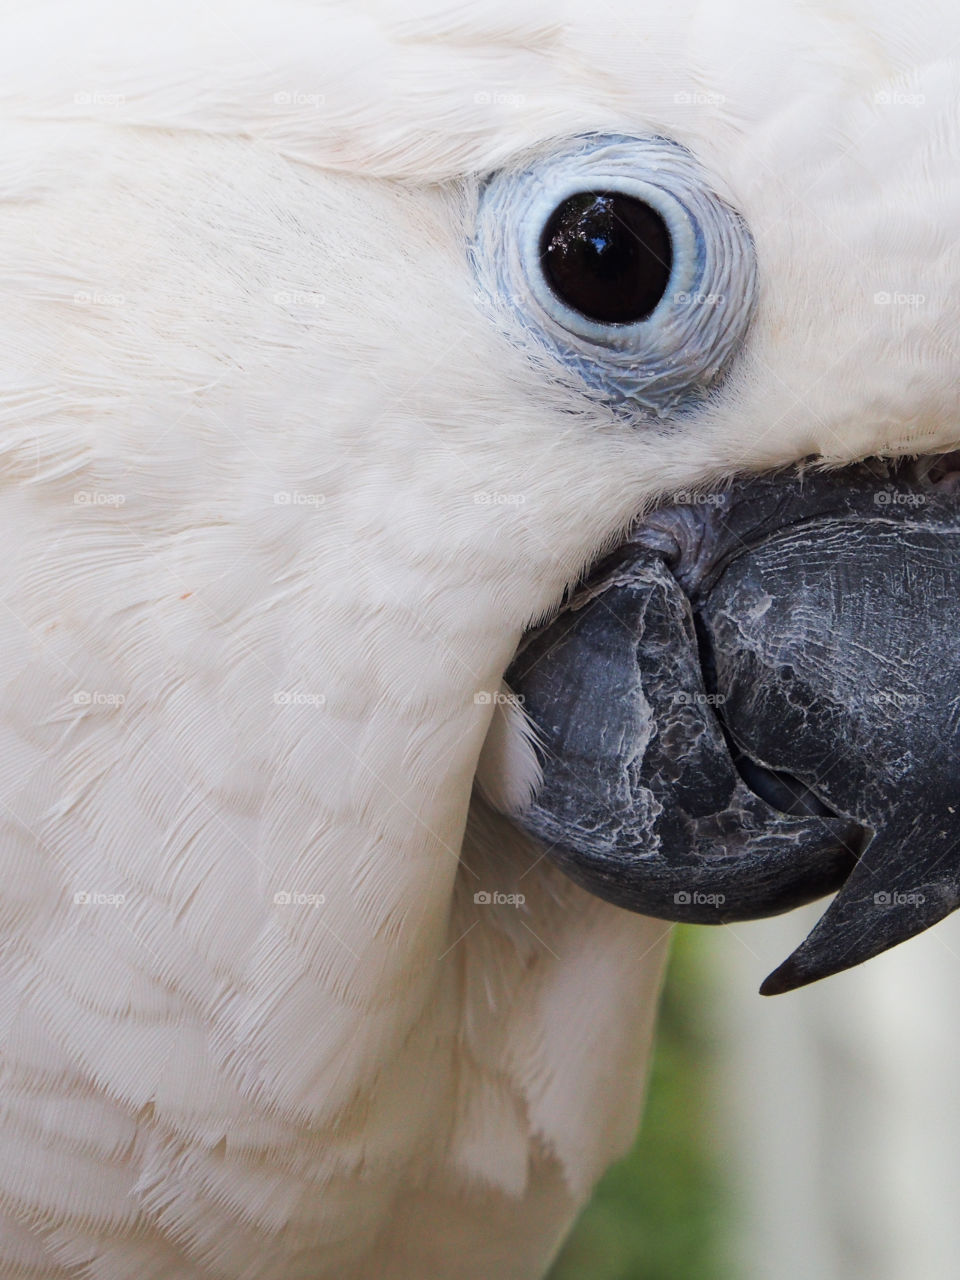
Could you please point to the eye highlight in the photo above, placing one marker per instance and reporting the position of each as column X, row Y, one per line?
column 607, row 255
column 616, row 257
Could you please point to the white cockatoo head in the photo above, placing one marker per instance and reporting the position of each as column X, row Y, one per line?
column 298, row 446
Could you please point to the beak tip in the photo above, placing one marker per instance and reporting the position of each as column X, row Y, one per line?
column 787, row 977
column 796, row 971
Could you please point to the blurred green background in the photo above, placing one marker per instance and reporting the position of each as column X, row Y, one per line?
column 666, row 1211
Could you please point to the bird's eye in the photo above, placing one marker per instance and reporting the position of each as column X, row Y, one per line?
column 607, row 255
column 617, row 256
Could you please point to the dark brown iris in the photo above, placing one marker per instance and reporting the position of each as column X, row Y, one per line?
column 607, row 256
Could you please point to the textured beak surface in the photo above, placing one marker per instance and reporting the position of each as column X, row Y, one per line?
column 754, row 702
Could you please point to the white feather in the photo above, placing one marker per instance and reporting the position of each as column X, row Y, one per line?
column 254, row 1024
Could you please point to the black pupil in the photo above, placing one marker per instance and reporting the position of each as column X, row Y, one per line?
column 607, row 256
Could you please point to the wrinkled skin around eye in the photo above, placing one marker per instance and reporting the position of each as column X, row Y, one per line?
column 670, row 359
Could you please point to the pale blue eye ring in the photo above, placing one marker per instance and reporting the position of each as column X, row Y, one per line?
column 671, row 359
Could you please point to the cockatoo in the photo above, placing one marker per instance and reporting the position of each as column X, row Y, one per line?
column 342, row 343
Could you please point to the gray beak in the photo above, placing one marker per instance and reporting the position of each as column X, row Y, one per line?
column 755, row 702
